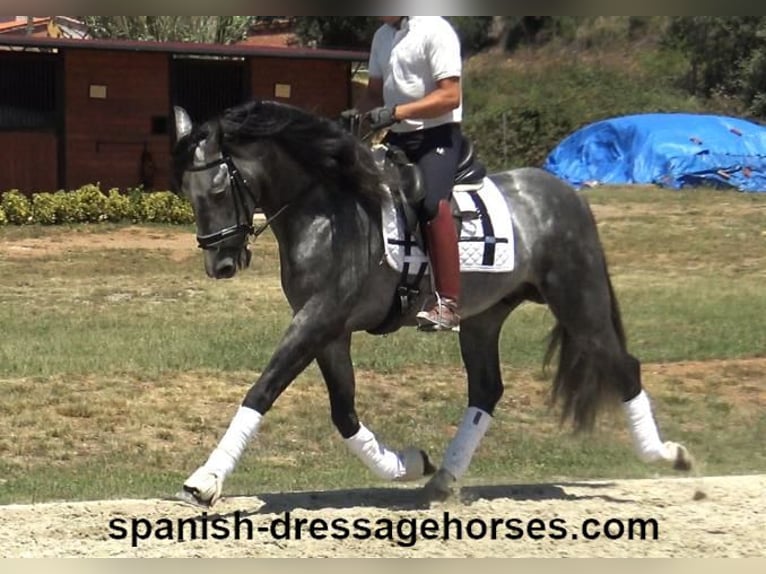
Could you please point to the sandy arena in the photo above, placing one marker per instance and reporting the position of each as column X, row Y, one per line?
column 696, row 517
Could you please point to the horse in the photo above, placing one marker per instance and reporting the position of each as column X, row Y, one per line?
column 323, row 190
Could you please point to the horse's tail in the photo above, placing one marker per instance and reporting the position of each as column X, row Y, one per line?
column 586, row 380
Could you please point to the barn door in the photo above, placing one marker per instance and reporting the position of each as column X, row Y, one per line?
column 30, row 121
column 206, row 87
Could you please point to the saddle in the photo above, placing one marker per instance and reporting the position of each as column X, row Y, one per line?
column 408, row 191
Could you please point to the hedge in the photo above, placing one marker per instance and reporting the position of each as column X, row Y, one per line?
column 91, row 205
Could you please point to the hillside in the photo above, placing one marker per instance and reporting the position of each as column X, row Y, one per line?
column 520, row 103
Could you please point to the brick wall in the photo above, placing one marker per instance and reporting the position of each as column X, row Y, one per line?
column 320, row 86
column 29, row 161
column 105, row 137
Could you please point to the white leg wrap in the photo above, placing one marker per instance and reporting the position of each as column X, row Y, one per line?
column 643, row 429
column 469, row 434
column 226, row 455
column 383, row 462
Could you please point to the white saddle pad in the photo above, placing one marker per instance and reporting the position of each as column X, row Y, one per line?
column 485, row 242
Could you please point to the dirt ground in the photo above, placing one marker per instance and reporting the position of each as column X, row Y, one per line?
column 180, row 244
column 695, row 517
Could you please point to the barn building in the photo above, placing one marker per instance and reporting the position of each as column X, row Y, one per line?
column 76, row 112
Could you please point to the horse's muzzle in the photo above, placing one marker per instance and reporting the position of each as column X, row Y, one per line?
column 224, row 263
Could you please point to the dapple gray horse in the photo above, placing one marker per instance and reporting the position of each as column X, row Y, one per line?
column 322, row 189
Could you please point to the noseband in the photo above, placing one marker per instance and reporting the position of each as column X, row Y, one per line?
column 240, row 193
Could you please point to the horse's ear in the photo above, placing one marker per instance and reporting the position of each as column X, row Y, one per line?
column 183, row 122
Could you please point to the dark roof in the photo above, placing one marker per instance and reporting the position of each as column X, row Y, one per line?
column 191, row 48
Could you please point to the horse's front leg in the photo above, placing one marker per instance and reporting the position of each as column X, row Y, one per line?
column 479, row 338
column 337, row 368
column 311, row 328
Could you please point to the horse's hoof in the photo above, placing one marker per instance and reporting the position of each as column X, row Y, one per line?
column 440, row 487
column 416, row 464
column 203, row 488
column 190, row 499
column 682, row 459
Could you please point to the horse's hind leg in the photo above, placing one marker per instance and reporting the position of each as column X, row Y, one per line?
column 338, row 371
column 594, row 363
column 479, row 338
column 642, row 426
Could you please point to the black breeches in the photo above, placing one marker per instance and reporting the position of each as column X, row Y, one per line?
column 437, row 152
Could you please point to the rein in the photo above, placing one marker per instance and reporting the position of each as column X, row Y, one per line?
column 240, row 192
column 268, row 221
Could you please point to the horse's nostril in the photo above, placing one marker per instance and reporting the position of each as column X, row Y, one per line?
column 225, row 270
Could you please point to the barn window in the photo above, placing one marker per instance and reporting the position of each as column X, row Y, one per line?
column 207, row 86
column 27, row 91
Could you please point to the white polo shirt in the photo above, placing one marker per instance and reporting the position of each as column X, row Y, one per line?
column 411, row 60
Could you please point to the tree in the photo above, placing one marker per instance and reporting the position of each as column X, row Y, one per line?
column 473, row 31
column 209, row 29
column 356, row 32
column 350, row 32
column 726, row 55
column 752, row 75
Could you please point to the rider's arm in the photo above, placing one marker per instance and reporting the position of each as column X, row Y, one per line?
column 445, row 98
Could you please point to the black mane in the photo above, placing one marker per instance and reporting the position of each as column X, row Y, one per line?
column 319, row 145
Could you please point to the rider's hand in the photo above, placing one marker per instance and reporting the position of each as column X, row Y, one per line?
column 381, row 117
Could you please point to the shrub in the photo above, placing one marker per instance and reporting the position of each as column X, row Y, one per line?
column 44, row 209
column 91, row 203
column 166, row 207
column 181, row 211
column 118, row 206
column 17, row 207
column 137, row 205
column 67, row 207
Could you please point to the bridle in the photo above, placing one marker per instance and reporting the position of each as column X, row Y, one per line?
column 241, row 192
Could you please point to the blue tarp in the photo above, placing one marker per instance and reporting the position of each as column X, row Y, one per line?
column 670, row 150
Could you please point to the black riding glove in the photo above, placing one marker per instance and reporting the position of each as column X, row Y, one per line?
column 381, row 117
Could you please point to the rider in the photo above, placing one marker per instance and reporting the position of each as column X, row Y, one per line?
column 414, row 88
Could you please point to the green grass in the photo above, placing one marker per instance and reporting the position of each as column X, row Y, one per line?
column 120, row 367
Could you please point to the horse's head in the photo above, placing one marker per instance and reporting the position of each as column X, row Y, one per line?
column 221, row 198
column 263, row 155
